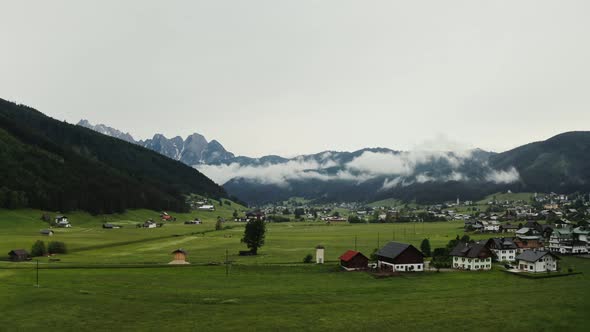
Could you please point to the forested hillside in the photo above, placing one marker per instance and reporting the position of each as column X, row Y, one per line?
column 53, row 165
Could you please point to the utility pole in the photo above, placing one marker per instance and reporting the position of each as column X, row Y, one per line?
column 226, row 263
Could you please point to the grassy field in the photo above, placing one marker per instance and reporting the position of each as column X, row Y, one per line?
column 502, row 197
column 118, row 280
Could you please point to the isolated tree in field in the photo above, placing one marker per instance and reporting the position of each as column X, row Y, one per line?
column 56, row 247
column 235, row 214
column 308, row 259
column 38, row 249
column 425, row 247
column 254, row 235
column 219, row 225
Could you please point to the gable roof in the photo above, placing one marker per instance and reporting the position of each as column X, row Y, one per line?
column 471, row 250
column 179, row 251
column 533, row 256
column 502, row 243
column 350, row 254
column 19, row 252
column 394, row 249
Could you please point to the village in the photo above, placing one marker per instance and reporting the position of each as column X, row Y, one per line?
column 516, row 235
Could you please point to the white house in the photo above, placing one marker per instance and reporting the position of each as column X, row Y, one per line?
column 149, row 224
column 62, row 221
column 537, row 261
column 206, row 208
column 471, row 256
column 504, row 249
column 492, row 226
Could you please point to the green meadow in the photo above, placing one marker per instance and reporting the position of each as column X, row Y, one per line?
column 118, row 279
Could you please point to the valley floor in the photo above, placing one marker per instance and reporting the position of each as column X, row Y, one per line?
column 120, row 281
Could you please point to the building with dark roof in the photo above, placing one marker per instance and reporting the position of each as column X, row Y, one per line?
column 400, row 257
column 537, row 261
column 504, row 249
column 471, row 256
column 47, row 232
column 353, row 260
column 18, row 255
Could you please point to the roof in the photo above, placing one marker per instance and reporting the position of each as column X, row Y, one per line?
column 533, row 256
column 503, row 243
column 350, row 254
column 394, row 249
column 319, row 246
column 19, row 252
column 46, row 231
column 470, row 250
column 179, row 251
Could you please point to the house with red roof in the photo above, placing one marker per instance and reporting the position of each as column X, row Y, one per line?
column 353, row 260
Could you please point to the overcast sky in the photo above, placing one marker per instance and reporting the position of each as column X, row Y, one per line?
column 290, row 77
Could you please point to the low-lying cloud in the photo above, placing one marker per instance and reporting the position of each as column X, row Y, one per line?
column 398, row 169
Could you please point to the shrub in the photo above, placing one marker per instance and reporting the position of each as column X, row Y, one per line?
column 355, row 220
column 219, row 225
column 38, row 249
column 308, row 259
column 57, row 247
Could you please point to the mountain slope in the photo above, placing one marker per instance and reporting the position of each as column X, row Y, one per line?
column 50, row 164
column 559, row 164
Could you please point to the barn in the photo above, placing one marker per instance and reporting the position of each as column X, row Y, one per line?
column 400, row 257
column 353, row 260
column 18, row 255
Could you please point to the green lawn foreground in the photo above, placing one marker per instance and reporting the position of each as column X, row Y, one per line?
column 289, row 298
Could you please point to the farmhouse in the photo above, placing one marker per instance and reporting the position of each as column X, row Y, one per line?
column 206, row 208
column 508, row 228
column 193, row 222
column 255, row 215
column 179, row 257
column 400, row 257
column 46, row 232
column 353, row 260
column 149, row 224
column 471, row 256
column 110, row 226
column 537, row 261
column 18, row 255
column 62, row 221
column 503, row 248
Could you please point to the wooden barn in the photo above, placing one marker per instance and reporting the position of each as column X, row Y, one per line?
column 179, row 257
column 46, row 232
column 18, row 255
column 353, row 260
column 400, row 257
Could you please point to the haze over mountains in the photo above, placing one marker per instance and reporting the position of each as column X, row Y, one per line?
column 557, row 164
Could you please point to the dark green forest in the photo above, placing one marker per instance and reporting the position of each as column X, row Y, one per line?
column 52, row 165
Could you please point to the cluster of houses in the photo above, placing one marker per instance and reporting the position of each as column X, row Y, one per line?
column 561, row 237
column 521, row 255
